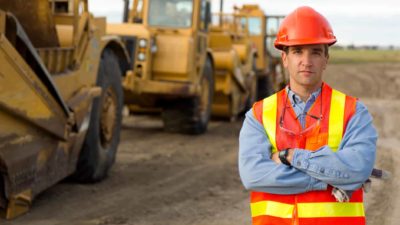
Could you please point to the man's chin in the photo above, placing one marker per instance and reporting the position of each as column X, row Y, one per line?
column 311, row 83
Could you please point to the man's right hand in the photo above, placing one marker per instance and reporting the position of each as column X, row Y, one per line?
column 275, row 157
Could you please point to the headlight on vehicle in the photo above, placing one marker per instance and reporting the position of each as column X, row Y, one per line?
column 153, row 45
column 141, row 56
column 142, row 43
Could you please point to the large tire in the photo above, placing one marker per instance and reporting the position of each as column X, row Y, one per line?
column 102, row 138
column 191, row 115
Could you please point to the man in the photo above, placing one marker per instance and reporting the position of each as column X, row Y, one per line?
column 299, row 144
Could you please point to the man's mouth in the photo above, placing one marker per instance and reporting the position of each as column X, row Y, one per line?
column 306, row 71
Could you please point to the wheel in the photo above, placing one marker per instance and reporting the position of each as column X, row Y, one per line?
column 191, row 115
column 102, row 138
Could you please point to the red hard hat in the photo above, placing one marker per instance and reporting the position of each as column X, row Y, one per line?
column 302, row 27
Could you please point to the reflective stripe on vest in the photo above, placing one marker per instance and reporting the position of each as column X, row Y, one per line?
column 271, row 208
column 307, row 210
column 336, row 119
column 269, row 117
column 330, row 209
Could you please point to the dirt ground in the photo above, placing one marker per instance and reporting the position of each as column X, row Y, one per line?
column 163, row 178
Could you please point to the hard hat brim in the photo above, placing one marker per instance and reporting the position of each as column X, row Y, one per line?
column 281, row 44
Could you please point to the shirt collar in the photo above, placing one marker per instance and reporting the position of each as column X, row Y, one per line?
column 295, row 99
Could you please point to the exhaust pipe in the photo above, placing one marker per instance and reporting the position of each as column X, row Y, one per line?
column 126, row 11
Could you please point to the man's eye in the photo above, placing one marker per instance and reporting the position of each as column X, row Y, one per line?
column 317, row 53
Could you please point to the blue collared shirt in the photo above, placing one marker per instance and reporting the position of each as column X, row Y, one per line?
column 348, row 168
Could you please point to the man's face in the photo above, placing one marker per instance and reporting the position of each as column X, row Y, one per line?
column 305, row 64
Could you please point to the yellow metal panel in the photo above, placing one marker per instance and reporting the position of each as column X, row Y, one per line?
column 65, row 35
column 19, row 204
column 16, row 93
column 336, row 118
column 127, row 29
column 9, row 124
column 225, row 60
column 271, row 208
column 219, row 40
column 36, row 18
column 330, row 209
column 243, row 51
column 269, row 119
column 3, row 22
column 173, row 54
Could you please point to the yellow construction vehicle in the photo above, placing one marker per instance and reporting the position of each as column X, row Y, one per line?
column 270, row 72
column 232, row 51
column 171, row 69
column 60, row 98
column 176, row 65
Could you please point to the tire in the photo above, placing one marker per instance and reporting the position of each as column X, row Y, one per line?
column 102, row 138
column 191, row 115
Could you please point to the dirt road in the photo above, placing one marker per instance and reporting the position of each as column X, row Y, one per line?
column 162, row 178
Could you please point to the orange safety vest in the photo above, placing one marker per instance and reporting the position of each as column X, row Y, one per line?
column 314, row 207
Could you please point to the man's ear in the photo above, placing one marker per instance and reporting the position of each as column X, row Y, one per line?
column 326, row 62
column 284, row 59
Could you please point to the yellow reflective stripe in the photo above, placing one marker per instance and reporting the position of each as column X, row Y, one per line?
column 336, row 119
column 271, row 208
column 269, row 119
column 330, row 209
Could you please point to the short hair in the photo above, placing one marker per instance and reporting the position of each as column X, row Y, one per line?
column 326, row 49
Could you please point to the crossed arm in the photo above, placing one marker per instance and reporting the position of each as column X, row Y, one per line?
column 347, row 169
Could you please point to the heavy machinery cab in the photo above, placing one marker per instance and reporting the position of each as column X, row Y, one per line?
column 254, row 17
column 167, row 40
column 178, row 34
column 172, row 14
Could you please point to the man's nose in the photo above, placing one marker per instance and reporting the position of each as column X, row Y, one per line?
column 306, row 59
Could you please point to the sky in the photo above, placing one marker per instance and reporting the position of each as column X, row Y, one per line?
column 358, row 22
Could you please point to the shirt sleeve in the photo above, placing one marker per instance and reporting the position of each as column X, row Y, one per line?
column 352, row 164
column 259, row 173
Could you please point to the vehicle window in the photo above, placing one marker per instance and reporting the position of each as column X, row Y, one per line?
column 170, row 13
column 203, row 15
column 254, row 24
